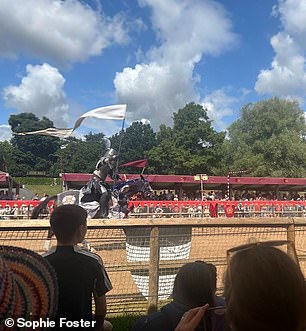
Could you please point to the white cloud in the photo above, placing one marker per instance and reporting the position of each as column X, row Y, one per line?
column 153, row 91
column 166, row 80
column 287, row 75
column 40, row 92
column 292, row 14
column 5, row 132
column 220, row 104
column 64, row 31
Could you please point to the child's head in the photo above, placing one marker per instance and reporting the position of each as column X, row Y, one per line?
column 69, row 224
column 194, row 284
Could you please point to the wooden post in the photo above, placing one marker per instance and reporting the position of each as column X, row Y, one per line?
column 153, row 270
column 291, row 237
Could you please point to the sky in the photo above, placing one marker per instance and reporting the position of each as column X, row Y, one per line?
column 60, row 59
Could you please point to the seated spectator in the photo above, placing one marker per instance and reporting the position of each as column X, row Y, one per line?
column 35, row 197
column 44, row 197
column 7, row 209
column 193, row 286
column 80, row 273
column 169, row 196
column 28, row 285
column 265, row 290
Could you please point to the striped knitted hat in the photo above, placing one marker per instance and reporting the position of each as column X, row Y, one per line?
column 28, row 284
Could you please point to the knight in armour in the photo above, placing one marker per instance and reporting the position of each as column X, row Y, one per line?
column 97, row 189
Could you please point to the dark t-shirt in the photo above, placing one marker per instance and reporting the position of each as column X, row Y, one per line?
column 80, row 274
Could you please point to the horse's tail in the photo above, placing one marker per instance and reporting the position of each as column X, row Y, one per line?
column 41, row 206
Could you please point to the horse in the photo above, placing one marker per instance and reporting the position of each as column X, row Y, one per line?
column 120, row 195
column 116, row 205
column 122, row 192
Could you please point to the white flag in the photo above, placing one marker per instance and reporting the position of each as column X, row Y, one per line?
column 114, row 112
column 53, row 132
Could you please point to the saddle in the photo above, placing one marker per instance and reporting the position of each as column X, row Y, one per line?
column 93, row 190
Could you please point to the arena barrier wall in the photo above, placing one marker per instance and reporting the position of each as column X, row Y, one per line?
column 137, row 274
column 22, row 209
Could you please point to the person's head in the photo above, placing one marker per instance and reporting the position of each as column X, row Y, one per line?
column 69, row 224
column 213, row 271
column 265, row 290
column 193, row 285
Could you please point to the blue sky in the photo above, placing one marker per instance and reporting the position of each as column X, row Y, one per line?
column 62, row 58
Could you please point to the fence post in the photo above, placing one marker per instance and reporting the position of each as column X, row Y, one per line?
column 291, row 237
column 153, row 270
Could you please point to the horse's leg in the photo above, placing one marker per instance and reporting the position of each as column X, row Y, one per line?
column 47, row 244
column 104, row 205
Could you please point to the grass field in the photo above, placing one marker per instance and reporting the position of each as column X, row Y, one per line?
column 123, row 322
column 41, row 189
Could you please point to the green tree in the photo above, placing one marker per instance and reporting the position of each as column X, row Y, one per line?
column 268, row 139
column 37, row 150
column 4, row 154
column 191, row 146
column 76, row 155
column 14, row 161
column 137, row 140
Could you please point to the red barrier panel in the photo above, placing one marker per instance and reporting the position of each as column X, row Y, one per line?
column 195, row 203
column 185, row 203
column 22, row 203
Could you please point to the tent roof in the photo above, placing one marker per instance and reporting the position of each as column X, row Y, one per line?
column 3, row 176
column 6, row 181
column 212, row 182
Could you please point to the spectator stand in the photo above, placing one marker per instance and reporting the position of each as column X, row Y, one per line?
column 21, row 209
column 218, row 208
column 185, row 187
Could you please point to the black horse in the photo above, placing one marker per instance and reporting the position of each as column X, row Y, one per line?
column 123, row 191
column 120, row 195
column 89, row 198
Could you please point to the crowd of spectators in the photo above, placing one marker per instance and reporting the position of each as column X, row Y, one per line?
column 6, row 195
column 245, row 204
column 170, row 195
column 264, row 289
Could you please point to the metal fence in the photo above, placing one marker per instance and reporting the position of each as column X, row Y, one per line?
column 142, row 256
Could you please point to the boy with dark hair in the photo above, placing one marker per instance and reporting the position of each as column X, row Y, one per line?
column 80, row 273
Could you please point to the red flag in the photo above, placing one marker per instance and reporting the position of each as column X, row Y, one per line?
column 213, row 210
column 137, row 164
column 229, row 211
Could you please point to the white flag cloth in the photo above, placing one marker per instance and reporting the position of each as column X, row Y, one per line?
column 53, row 132
column 114, row 112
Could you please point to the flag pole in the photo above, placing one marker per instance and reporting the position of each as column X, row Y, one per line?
column 119, row 148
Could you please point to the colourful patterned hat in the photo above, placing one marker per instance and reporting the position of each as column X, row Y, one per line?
column 28, row 284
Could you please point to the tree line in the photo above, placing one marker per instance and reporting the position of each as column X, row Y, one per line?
column 268, row 139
